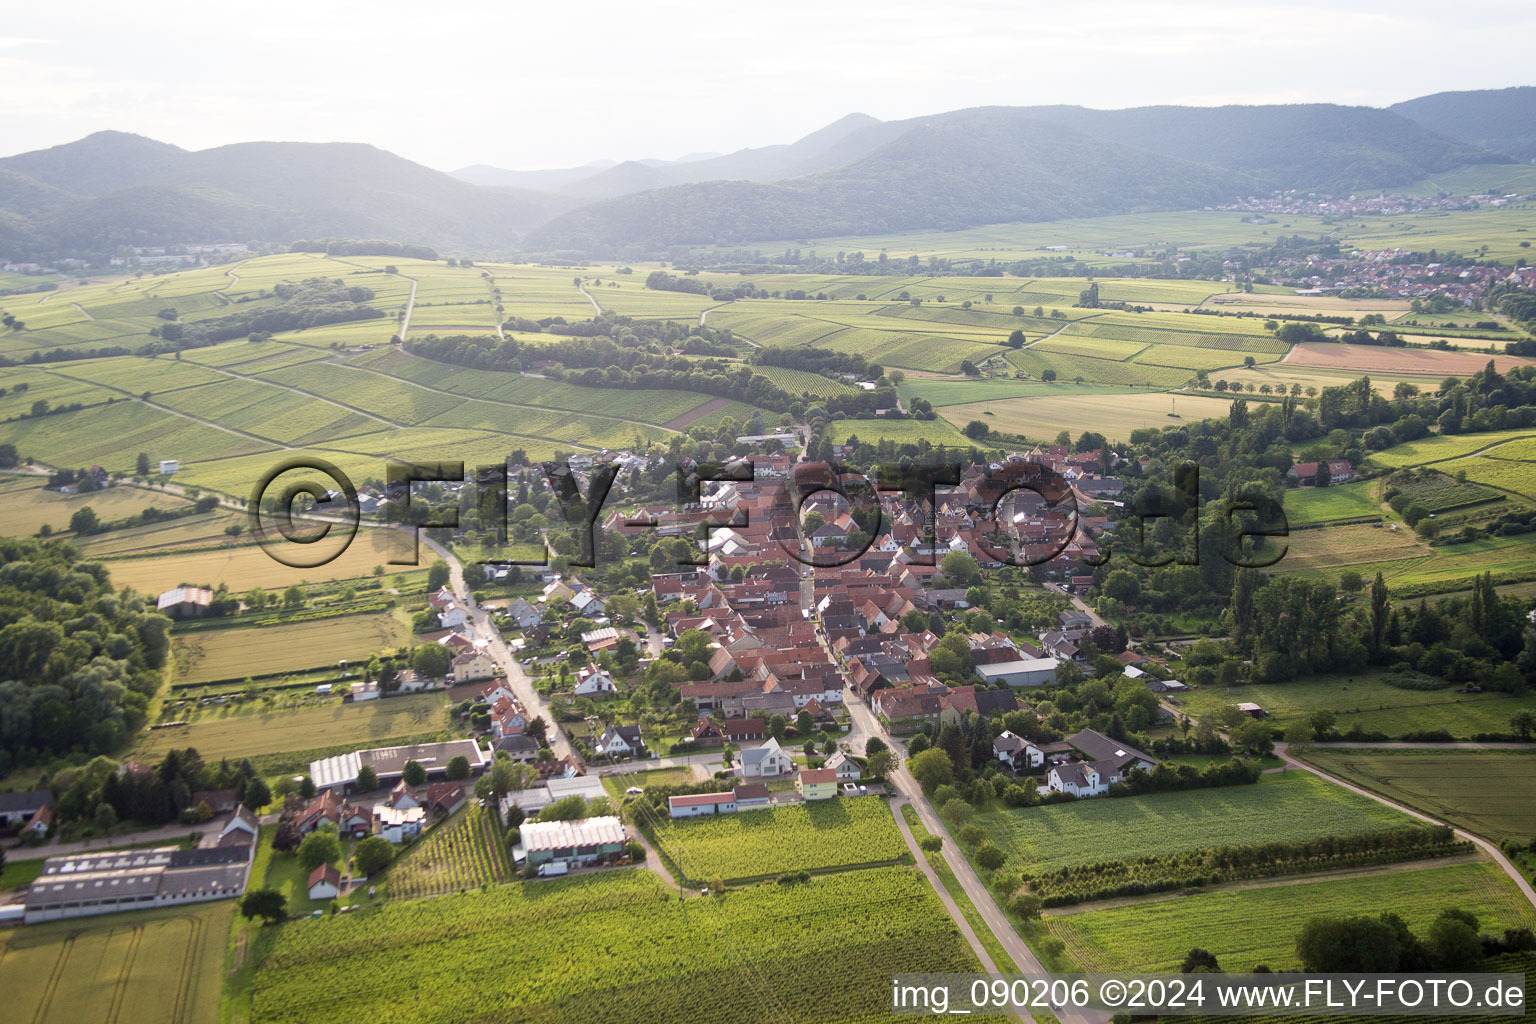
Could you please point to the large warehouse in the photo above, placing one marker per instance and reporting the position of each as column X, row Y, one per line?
column 340, row 772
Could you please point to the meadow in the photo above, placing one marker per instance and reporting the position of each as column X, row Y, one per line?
column 839, row 833
column 1286, row 807
column 1489, row 792
column 25, row 507
column 236, row 734
column 248, row 565
column 1366, row 700
column 1247, row 927
column 1114, row 415
column 1443, row 447
column 936, row 432
column 614, row 945
column 232, row 654
column 147, row 967
column 1309, row 505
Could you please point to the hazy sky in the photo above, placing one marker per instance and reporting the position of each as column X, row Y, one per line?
column 539, row 84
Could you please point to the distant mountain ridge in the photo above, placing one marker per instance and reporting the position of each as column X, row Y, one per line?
column 1499, row 119
column 994, row 164
column 112, row 189
column 856, row 175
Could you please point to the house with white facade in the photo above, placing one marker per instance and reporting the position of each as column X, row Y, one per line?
column 765, row 761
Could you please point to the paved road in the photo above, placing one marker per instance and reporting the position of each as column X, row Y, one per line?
column 921, row 859
column 168, row 834
column 1490, row 849
column 518, row 680
column 1427, row 746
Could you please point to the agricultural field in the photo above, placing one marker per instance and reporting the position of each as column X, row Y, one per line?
column 962, row 391
column 839, row 833
column 1443, row 447
column 614, row 945
column 248, row 565
column 1335, row 548
column 801, row 382
column 1502, row 474
column 1367, row 700
column 1087, row 369
column 1434, row 363
column 1246, row 927
column 1437, row 492
column 1308, row 505
column 1286, row 807
column 148, row 967
column 936, row 432
column 206, row 655
column 1489, row 792
column 236, row 734
column 463, row 852
column 25, row 507
column 1114, row 415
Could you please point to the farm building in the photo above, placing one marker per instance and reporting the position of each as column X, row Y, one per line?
column 536, row 798
column 16, row 809
column 692, row 805
column 185, row 602
column 324, row 883
column 168, row 467
column 1023, row 672
column 388, row 763
column 1252, row 710
column 582, row 842
column 84, row 884
column 751, row 796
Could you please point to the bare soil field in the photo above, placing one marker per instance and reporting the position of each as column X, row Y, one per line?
column 1374, row 359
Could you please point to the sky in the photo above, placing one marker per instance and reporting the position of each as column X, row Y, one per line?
column 533, row 84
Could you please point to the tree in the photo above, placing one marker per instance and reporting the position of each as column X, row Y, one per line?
column 438, row 575
column 969, row 368
column 1524, row 723
column 1047, row 375
column 431, row 660
column 873, row 745
column 1253, row 736
column 977, row 429
column 1199, row 961
column 931, row 768
column 320, row 847
column 414, row 774
column 367, row 779
column 293, row 597
column 1351, row 945
column 269, row 904
column 1298, row 735
column 880, row 764
column 287, row 837
column 990, row 857
column 84, row 522
column 307, row 788
column 961, row 568
column 142, row 465
column 1454, row 942
column 257, row 794
column 458, row 768
column 1016, row 339
column 1026, row 906
column 1351, row 582
column 373, row 854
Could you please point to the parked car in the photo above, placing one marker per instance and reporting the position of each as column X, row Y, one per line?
column 634, row 791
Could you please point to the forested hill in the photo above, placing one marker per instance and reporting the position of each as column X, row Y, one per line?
column 1499, row 119
column 112, row 189
column 995, row 164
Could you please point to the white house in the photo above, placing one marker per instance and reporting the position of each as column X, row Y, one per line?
column 1017, row 752
column 587, row 603
column 765, row 761
column 592, row 681
column 403, row 797
column 324, row 883
column 847, row 768
column 452, row 616
column 398, row 825
column 619, row 741
column 525, row 615
column 694, row 804
column 1082, row 778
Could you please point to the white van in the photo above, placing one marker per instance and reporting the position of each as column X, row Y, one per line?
column 553, row 869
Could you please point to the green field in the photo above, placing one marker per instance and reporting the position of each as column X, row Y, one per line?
column 1442, row 447
column 148, row 967
column 247, row 735
column 1114, row 415
column 1247, row 927
column 1286, row 807
column 936, row 432
column 211, row 654
column 836, row 833
column 1490, row 792
column 614, row 945
column 1306, row 505
column 1365, row 699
